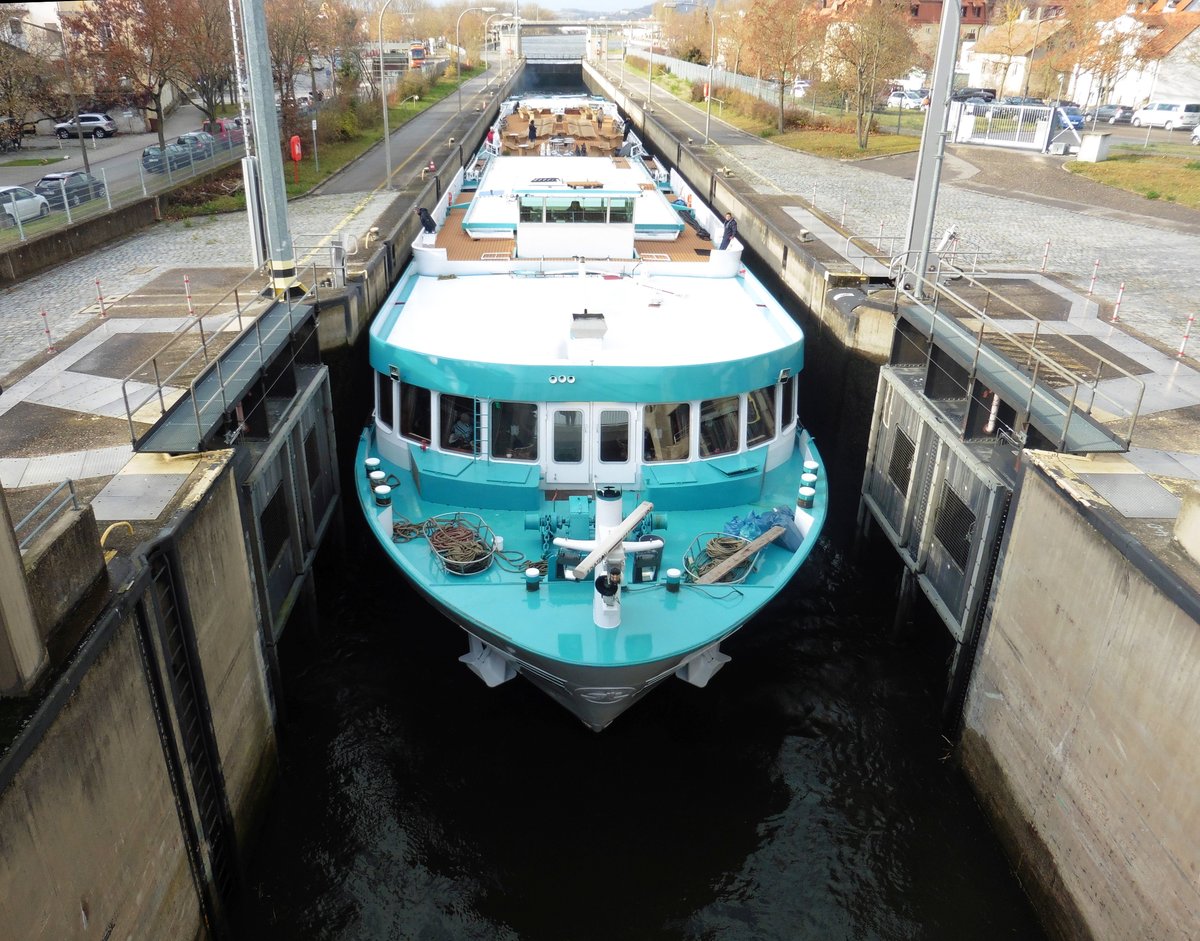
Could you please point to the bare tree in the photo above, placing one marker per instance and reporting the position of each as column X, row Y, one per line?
column 1090, row 41
column 866, row 50
column 784, row 34
column 291, row 25
column 204, row 71
column 133, row 46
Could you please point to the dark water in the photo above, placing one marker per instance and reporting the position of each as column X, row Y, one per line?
column 806, row 793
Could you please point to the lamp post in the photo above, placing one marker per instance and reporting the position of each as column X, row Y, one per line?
column 62, row 43
column 458, row 48
column 712, row 56
column 387, row 136
column 486, row 26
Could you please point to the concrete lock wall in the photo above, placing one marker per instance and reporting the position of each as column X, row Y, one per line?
column 62, row 566
column 91, row 835
column 215, row 570
column 93, row 845
column 1079, row 732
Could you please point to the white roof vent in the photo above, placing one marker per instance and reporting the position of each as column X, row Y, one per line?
column 589, row 325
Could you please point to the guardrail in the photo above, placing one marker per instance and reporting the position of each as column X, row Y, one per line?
column 70, row 499
column 104, row 198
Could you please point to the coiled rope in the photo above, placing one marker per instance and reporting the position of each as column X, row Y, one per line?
column 460, row 543
column 717, row 550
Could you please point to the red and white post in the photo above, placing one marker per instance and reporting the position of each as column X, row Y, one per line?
column 187, row 289
column 1045, row 255
column 100, row 299
column 51, row 348
column 1116, row 317
column 1187, row 334
column 1095, row 271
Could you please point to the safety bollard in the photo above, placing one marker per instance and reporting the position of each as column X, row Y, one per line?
column 100, row 299
column 1095, row 269
column 1045, row 255
column 51, row 348
column 1187, row 333
column 1117, row 307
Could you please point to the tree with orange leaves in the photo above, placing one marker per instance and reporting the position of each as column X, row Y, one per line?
column 785, row 34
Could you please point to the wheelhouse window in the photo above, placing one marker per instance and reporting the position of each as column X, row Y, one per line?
column 414, row 412
column 620, row 209
column 532, row 209
column 385, row 412
column 614, row 436
column 514, row 431
column 667, row 432
column 719, row 426
column 789, row 401
column 459, row 423
column 760, row 416
column 568, row 436
column 575, row 208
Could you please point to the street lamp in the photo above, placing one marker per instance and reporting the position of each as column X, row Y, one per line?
column 458, row 48
column 712, row 55
column 486, row 27
column 387, row 137
column 62, row 42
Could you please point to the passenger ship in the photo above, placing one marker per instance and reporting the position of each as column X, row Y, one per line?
column 585, row 448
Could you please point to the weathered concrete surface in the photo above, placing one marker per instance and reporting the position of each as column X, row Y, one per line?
column 1187, row 526
column 22, row 653
column 216, row 573
column 1080, row 723
column 91, row 835
column 93, row 844
column 62, row 566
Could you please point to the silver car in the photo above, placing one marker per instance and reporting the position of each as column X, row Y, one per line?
column 89, row 124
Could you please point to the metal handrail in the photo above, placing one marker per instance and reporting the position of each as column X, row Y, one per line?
column 182, row 331
column 1036, row 359
column 71, row 498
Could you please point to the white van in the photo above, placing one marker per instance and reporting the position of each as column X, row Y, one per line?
column 1168, row 114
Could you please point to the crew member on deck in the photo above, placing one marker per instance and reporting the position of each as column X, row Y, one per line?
column 532, row 130
column 730, row 232
column 427, row 221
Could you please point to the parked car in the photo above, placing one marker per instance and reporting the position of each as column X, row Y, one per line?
column 1196, row 137
column 176, row 158
column 89, row 124
column 962, row 94
column 17, row 202
column 227, row 132
column 1073, row 116
column 1168, row 115
column 1111, row 114
column 800, row 87
column 200, row 144
column 79, row 187
column 904, row 99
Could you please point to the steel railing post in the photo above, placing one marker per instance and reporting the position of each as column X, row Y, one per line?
column 62, row 188
column 142, row 178
column 107, row 191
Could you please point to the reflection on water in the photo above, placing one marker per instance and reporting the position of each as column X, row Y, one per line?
column 804, row 793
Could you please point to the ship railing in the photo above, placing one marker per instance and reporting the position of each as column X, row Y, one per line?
column 1031, row 354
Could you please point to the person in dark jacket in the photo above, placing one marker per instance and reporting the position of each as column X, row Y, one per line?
column 427, row 221
column 532, row 131
column 730, row 231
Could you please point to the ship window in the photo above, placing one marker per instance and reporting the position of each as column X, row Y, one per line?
column 414, row 412
column 514, row 430
column 620, row 209
column 568, row 436
column 531, row 208
column 614, row 436
column 760, row 416
column 719, row 426
column 575, row 208
column 789, row 401
column 459, row 423
column 385, row 391
column 666, row 432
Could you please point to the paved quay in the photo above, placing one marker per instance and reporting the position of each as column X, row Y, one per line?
column 63, row 394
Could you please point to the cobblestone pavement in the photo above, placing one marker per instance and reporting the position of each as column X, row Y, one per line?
column 1155, row 259
column 68, row 292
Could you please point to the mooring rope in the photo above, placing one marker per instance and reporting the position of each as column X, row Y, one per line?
column 718, row 549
